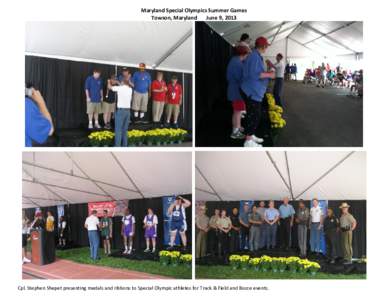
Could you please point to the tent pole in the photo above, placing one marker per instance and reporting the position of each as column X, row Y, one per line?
column 127, row 174
column 277, row 170
column 289, row 175
column 209, row 184
column 326, row 173
column 76, row 176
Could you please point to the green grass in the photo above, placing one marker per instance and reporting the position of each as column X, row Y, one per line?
column 81, row 255
column 226, row 272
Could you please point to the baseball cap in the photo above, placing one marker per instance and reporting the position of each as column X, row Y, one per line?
column 261, row 42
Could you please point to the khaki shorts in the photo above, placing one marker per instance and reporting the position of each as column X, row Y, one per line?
column 140, row 102
column 108, row 107
column 157, row 110
column 172, row 109
column 93, row 108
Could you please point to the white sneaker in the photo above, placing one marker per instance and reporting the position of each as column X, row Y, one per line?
column 129, row 251
column 97, row 125
column 141, row 115
column 147, row 250
column 257, row 140
column 90, row 126
column 251, row 143
column 125, row 251
column 153, row 250
column 26, row 260
column 136, row 114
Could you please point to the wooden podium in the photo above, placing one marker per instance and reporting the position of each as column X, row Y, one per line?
column 38, row 255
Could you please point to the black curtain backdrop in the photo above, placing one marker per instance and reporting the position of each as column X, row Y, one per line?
column 77, row 213
column 213, row 111
column 62, row 85
column 357, row 209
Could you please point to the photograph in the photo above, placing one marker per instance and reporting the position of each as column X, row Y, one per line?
column 280, row 215
column 108, row 84
column 106, row 215
column 279, row 84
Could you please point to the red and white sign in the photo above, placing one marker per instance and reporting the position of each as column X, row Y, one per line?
column 110, row 206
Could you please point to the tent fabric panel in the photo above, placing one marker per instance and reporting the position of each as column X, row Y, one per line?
column 118, row 193
column 199, row 196
column 131, row 42
column 304, row 35
column 79, row 197
column 159, row 173
column 181, row 57
column 232, row 182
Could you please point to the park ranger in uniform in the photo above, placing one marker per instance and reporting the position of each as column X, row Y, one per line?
column 302, row 219
column 254, row 231
column 347, row 223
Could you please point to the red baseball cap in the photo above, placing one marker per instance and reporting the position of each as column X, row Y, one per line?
column 261, row 42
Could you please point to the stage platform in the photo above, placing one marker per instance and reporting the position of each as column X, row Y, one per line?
column 78, row 137
column 65, row 269
column 338, row 267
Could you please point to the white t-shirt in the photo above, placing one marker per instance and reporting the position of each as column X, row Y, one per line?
column 92, row 222
column 279, row 69
column 315, row 214
column 124, row 95
column 125, row 220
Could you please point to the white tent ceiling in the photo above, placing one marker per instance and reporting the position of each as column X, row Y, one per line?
column 164, row 45
column 329, row 175
column 52, row 178
column 302, row 39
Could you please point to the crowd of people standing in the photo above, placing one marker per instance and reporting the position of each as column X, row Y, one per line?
column 257, row 227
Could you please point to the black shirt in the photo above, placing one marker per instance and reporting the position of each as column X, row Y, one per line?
column 330, row 223
column 235, row 221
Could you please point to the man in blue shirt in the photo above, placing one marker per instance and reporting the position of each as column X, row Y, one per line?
column 234, row 73
column 271, row 217
column 94, row 97
column 253, row 87
column 38, row 122
column 244, row 232
column 142, row 91
column 287, row 213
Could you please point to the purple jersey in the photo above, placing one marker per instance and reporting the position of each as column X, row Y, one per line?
column 150, row 231
column 128, row 222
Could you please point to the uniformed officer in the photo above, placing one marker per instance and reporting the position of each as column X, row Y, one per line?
column 331, row 228
column 213, row 233
column 302, row 219
column 254, row 231
column 202, row 228
column 347, row 223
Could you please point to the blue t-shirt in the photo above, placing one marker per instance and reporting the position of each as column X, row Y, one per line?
column 37, row 127
column 244, row 216
column 271, row 214
column 251, row 84
column 234, row 74
column 286, row 211
column 94, row 86
column 142, row 81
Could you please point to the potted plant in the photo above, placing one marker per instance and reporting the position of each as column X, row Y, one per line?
column 186, row 260
column 174, row 258
column 265, row 263
column 235, row 261
column 164, row 257
column 255, row 263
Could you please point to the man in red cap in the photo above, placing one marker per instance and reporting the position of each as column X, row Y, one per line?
column 279, row 78
column 234, row 73
column 253, row 87
column 142, row 89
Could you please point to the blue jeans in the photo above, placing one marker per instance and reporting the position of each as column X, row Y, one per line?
column 271, row 234
column 244, row 238
column 94, row 243
column 122, row 119
column 278, row 90
column 315, row 237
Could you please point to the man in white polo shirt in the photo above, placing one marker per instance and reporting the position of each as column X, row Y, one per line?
column 316, row 221
column 279, row 78
column 123, row 112
column 92, row 224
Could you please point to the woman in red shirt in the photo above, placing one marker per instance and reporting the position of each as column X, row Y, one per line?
column 174, row 100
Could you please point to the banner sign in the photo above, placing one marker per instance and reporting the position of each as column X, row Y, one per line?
column 167, row 201
column 101, row 206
